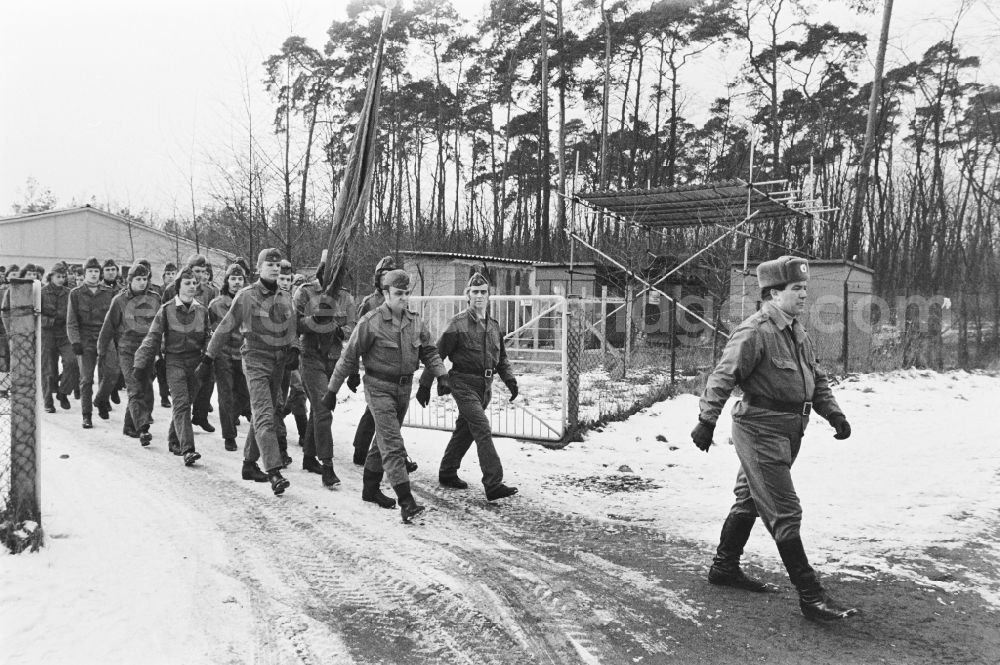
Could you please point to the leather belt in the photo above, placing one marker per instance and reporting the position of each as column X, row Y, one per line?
column 400, row 379
column 481, row 373
column 799, row 408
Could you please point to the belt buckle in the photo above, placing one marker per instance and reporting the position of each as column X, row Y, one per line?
column 807, row 408
column 488, row 374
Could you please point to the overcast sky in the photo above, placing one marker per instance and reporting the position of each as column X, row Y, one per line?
column 119, row 99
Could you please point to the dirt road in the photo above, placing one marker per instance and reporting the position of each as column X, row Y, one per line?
column 331, row 579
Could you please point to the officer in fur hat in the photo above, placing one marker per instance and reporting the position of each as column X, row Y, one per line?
column 474, row 344
column 391, row 342
column 771, row 358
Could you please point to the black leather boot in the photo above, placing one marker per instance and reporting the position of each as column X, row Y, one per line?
column 813, row 601
column 372, row 492
column 278, row 482
column 725, row 570
column 408, row 506
column 252, row 472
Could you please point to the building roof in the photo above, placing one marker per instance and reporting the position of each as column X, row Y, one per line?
column 472, row 257
column 691, row 205
column 110, row 215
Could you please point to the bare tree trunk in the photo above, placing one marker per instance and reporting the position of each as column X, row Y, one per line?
column 561, row 157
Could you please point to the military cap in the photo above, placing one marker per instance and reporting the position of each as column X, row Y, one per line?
column 92, row 263
column 138, row 270
column 242, row 262
column 13, row 268
column 186, row 273
column 28, row 267
column 235, row 269
column 196, row 260
column 170, row 267
column 399, row 279
column 781, row 271
column 269, row 255
column 477, row 279
column 59, row 266
column 285, row 267
column 109, row 263
column 385, row 264
column 144, row 262
column 3, row 270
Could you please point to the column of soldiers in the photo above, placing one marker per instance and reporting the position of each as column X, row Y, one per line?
column 274, row 345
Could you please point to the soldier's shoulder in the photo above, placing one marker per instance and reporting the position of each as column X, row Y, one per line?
column 755, row 321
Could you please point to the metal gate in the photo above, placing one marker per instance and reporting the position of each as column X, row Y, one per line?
column 535, row 336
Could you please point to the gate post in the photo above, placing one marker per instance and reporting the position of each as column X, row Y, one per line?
column 23, row 334
column 574, row 358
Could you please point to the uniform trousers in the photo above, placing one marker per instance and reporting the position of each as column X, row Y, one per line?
column 264, row 369
column 388, row 403
column 54, row 349
column 140, row 395
column 472, row 395
column 315, row 372
column 233, row 396
column 184, row 386
column 767, row 444
column 107, row 376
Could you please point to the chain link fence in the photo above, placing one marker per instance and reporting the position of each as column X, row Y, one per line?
column 20, row 506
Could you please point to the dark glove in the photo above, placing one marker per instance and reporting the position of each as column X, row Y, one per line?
column 204, row 369
column 142, row 373
column 424, row 395
column 330, row 400
column 512, row 387
column 353, row 381
column 702, row 435
column 292, row 361
column 77, row 348
column 444, row 386
column 840, row 424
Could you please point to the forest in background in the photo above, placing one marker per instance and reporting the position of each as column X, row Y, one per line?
column 485, row 122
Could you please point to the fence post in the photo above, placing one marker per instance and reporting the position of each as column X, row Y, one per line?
column 628, row 329
column 604, row 321
column 23, row 333
column 573, row 354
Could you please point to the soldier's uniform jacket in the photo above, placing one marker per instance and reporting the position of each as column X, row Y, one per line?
column 86, row 311
column 205, row 293
column 770, row 355
column 217, row 310
column 387, row 348
column 474, row 345
column 128, row 320
column 178, row 329
column 55, row 302
column 265, row 318
column 155, row 289
column 371, row 301
column 319, row 337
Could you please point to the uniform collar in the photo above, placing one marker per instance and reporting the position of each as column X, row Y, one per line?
column 387, row 313
column 266, row 291
column 475, row 318
column 778, row 315
column 180, row 303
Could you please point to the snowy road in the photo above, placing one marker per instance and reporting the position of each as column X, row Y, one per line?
column 151, row 562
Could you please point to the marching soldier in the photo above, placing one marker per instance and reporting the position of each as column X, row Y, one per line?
column 771, row 357
column 110, row 279
column 365, row 433
column 233, row 396
column 55, row 343
column 169, row 275
column 265, row 316
column 474, row 344
column 125, row 327
column 391, row 341
column 88, row 305
column 181, row 327
column 325, row 321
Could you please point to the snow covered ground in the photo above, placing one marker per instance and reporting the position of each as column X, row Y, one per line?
column 132, row 568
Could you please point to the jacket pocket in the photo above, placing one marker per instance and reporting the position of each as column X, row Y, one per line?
column 785, row 363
